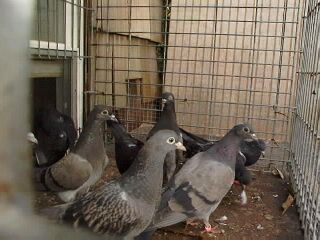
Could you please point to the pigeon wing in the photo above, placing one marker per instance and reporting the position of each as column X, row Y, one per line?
column 109, row 211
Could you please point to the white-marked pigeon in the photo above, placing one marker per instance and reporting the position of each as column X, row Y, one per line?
column 55, row 133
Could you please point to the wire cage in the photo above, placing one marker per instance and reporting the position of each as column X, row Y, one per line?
column 58, row 55
column 305, row 138
column 226, row 62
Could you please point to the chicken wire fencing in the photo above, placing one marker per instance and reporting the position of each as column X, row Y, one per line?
column 226, row 62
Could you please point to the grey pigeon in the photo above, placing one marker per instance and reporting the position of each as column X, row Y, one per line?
column 200, row 185
column 249, row 154
column 55, row 133
column 83, row 166
column 167, row 120
column 125, row 206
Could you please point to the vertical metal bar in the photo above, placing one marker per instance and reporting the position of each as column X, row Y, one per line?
column 48, row 28
column 39, row 25
column 79, row 13
column 203, row 52
column 166, row 40
column 183, row 43
column 72, row 26
column 56, row 21
column 113, row 100
column 273, row 150
column 65, row 27
column 232, row 79
column 193, row 71
column 252, row 57
column 241, row 58
column 217, row 66
column 129, row 49
column 211, row 69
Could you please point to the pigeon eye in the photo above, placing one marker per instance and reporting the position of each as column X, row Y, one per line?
column 104, row 112
column 171, row 140
column 246, row 129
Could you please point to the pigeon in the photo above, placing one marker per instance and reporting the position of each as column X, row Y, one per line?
column 126, row 146
column 252, row 151
column 242, row 177
column 73, row 175
column 125, row 206
column 167, row 120
column 38, row 156
column 200, row 185
column 194, row 144
column 55, row 133
column 249, row 154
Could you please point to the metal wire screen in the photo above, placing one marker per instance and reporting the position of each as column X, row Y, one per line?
column 225, row 61
column 59, row 61
column 305, row 147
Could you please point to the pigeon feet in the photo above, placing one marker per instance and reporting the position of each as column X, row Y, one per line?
column 236, row 182
column 209, row 229
column 243, row 198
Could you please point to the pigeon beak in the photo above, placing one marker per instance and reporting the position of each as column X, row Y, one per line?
column 164, row 100
column 31, row 138
column 180, row 146
column 263, row 153
column 113, row 118
column 254, row 136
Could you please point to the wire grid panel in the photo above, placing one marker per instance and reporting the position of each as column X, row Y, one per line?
column 305, row 146
column 57, row 29
column 233, row 61
column 226, row 62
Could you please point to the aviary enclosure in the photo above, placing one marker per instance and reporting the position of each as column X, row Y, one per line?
column 226, row 62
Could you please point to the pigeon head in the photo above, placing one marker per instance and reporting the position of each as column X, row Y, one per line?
column 167, row 139
column 113, row 118
column 167, row 97
column 253, row 147
column 101, row 112
column 31, row 138
column 245, row 132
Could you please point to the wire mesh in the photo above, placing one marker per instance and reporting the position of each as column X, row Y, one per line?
column 58, row 29
column 305, row 147
column 58, row 49
column 225, row 61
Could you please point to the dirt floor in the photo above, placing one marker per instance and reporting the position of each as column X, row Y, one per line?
column 260, row 219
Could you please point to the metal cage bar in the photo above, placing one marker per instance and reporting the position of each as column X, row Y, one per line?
column 305, row 147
